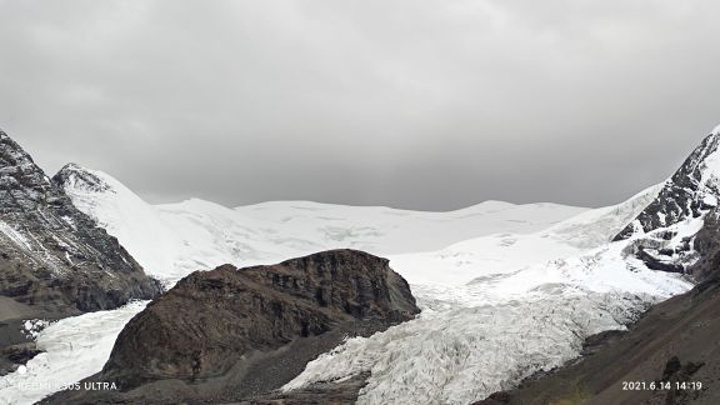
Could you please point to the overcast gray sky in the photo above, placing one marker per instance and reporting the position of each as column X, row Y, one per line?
column 425, row 104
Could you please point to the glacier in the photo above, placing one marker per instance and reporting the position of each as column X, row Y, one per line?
column 506, row 290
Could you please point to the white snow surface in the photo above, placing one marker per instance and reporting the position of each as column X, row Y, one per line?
column 506, row 290
column 173, row 240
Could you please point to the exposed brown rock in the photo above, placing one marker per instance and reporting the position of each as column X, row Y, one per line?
column 236, row 334
column 53, row 257
column 54, row 260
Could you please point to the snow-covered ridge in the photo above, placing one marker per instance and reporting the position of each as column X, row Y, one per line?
column 664, row 232
column 691, row 192
column 173, row 240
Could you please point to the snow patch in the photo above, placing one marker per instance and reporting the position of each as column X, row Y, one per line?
column 19, row 239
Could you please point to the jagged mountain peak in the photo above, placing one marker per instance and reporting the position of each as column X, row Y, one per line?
column 13, row 154
column 53, row 255
column 663, row 235
column 691, row 192
column 77, row 177
column 23, row 185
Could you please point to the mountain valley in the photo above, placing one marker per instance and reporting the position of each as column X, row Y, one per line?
column 506, row 292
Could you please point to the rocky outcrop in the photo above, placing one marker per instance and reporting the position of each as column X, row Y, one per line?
column 53, row 257
column 232, row 334
column 690, row 193
column 73, row 176
column 662, row 235
column 707, row 243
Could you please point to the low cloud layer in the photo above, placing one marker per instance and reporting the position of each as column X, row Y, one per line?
column 429, row 104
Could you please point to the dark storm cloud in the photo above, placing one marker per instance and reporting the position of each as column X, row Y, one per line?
column 429, row 104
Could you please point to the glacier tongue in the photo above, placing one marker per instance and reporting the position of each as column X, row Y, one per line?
column 463, row 355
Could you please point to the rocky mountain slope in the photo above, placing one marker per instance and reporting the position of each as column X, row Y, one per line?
column 664, row 231
column 52, row 256
column 670, row 356
column 54, row 260
column 691, row 192
column 673, row 347
column 231, row 334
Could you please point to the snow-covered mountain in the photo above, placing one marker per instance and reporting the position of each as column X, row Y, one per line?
column 54, row 259
column 505, row 290
column 172, row 240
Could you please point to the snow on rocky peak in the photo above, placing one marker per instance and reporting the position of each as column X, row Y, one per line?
column 663, row 233
column 74, row 177
column 125, row 215
column 55, row 256
column 691, row 192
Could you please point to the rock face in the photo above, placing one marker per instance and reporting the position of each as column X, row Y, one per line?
column 248, row 331
column 707, row 243
column 663, row 234
column 75, row 176
column 690, row 193
column 52, row 256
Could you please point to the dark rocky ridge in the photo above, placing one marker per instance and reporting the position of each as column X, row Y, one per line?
column 52, row 256
column 54, row 260
column 231, row 335
column 676, row 341
column 683, row 196
column 692, row 192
